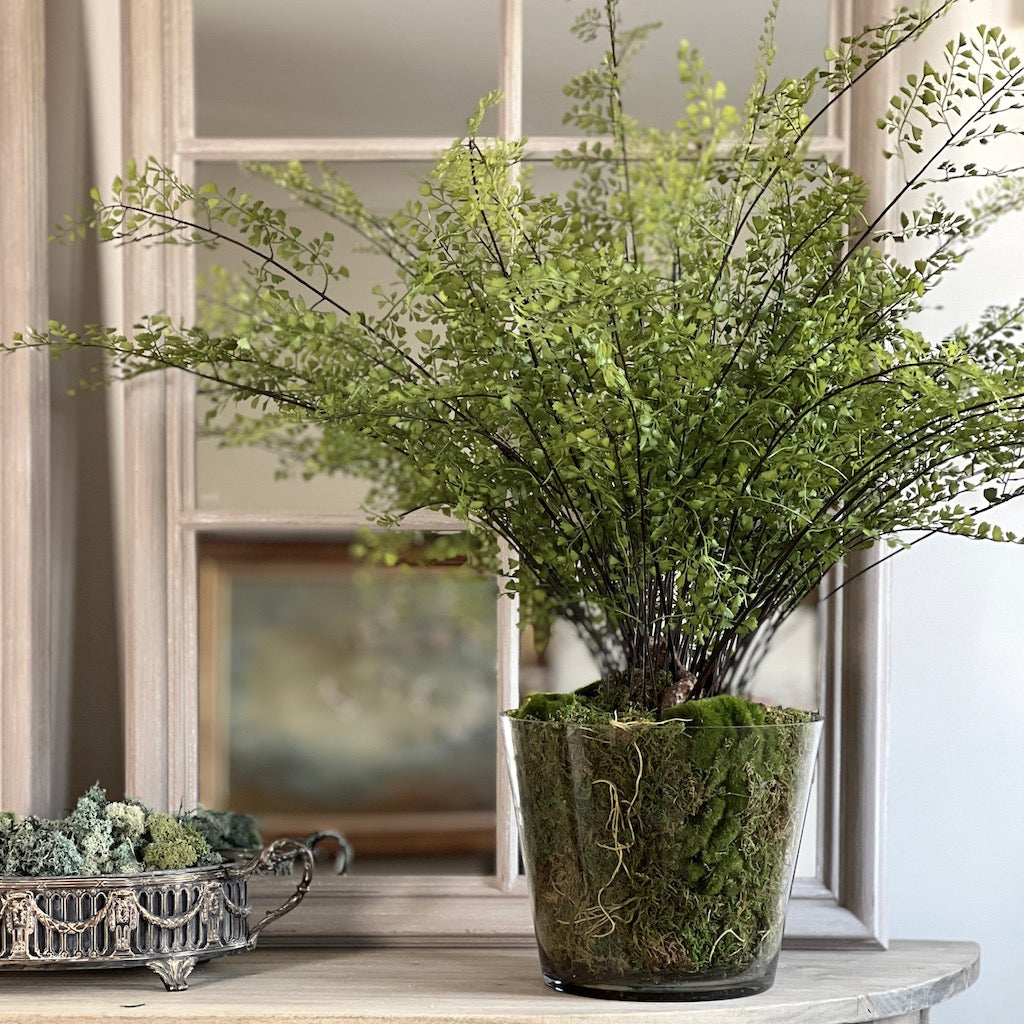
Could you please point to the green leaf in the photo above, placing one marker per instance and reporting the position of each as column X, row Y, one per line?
column 683, row 380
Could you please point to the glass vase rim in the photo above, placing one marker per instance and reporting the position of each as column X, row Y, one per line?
column 815, row 718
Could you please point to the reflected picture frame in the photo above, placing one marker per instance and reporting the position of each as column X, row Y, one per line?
column 339, row 693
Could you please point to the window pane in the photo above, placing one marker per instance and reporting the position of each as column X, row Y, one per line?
column 244, row 479
column 342, row 67
column 789, row 675
column 338, row 694
column 726, row 33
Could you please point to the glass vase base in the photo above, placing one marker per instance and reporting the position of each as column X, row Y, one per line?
column 701, row 989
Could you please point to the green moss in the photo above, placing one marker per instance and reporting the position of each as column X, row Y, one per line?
column 34, row 847
column 587, row 705
column 661, row 846
column 225, row 830
column 558, row 707
column 725, row 709
column 173, row 844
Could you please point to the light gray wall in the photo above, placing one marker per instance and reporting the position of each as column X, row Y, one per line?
column 956, row 770
column 956, row 762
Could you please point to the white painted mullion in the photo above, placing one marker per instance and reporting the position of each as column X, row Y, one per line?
column 510, row 120
column 336, row 148
column 510, row 127
column 506, row 832
column 541, row 148
column 27, row 701
column 242, row 522
column 160, row 723
column 183, row 581
column 840, row 22
column 865, row 639
column 855, row 642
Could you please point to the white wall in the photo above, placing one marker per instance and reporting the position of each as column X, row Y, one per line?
column 956, row 778
column 956, row 771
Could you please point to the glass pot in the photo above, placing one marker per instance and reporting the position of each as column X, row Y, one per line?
column 660, row 855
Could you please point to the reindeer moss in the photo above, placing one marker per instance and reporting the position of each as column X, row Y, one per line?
column 660, row 848
column 101, row 837
column 173, row 844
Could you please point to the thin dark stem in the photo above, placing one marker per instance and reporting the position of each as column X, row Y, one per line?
column 805, row 133
column 618, row 123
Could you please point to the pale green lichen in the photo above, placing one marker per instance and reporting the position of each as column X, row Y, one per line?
column 123, row 837
column 35, row 847
column 123, row 860
column 89, row 811
column 128, row 821
column 92, row 831
column 96, row 846
column 174, row 844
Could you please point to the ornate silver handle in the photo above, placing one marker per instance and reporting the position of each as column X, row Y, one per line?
column 345, row 853
column 266, row 860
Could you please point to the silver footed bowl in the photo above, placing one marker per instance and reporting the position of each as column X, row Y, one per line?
column 165, row 920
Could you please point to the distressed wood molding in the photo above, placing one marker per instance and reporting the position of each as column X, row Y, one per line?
column 26, row 677
column 158, row 587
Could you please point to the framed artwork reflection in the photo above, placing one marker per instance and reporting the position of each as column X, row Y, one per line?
column 345, row 695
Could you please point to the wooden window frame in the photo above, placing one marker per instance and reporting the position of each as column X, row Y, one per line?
column 29, row 702
column 160, row 525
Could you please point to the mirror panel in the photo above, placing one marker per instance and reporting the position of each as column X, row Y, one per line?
column 341, row 67
column 725, row 32
column 246, row 479
column 341, row 695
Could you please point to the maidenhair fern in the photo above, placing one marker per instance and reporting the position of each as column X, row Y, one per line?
column 683, row 387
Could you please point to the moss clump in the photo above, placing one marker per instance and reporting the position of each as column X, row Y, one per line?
column 724, row 709
column 101, row 837
column 124, row 860
column 662, row 849
column 559, row 707
column 225, row 830
column 173, row 844
column 92, row 831
column 36, row 847
column 594, row 704
column 127, row 821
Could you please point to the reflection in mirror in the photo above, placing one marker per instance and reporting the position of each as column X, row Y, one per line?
column 789, row 675
column 341, row 694
column 341, row 67
column 248, row 479
column 725, row 32
column 260, row 600
column 291, row 622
